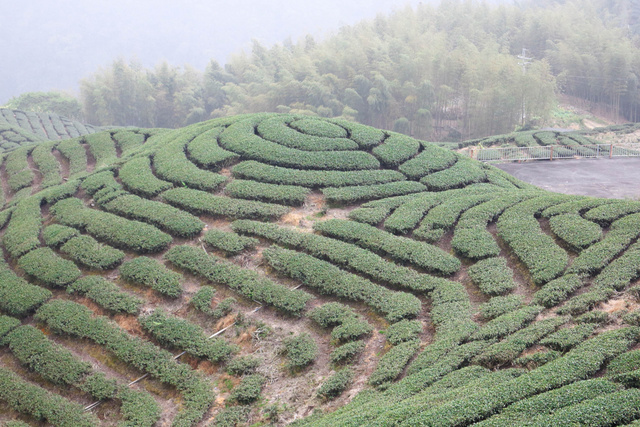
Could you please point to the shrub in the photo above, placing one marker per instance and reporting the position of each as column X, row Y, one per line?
column 116, row 231
column 300, row 350
column 407, row 216
column 53, row 362
column 507, row 323
column 276, row 129
column 249, row 389
column 419, row 254
column 201, row 203
column 622, row 271
column 182, row 334
column 595, row 316
column 246, row 282
column 585, row 302
column 102, row 147
column 464, row 172
column 205, row 151
column 497, row 306
column 138, row 409
column 347, row 352
column 492, row 276
column 23, row 231
column 396, row 149
column 532, row 361
column 7, row 324
column 351, row 328
column 557, row 291
column 404, row 330
column 232, row 416
column 43, row 405
column 149, row 272
column 609, row 212
column 568, row 338
column 431, row 159
column 577, row 206
column 393, row 362
column 311, row 126
column 17, row 296
column 88, row 252
column 203, row 299
column 342, row 253
column 137, row 177
column 575, row 230
column 311, row 178
column 98, row 386
column 350, row 195
column 243, row 365
column 128, row 140
column 75, row 153
column 329, row 279
column 106, row 294
column 230, row 243
column 290, row 195
column 55, row 235
column 19, row 174
column 336, row 384
column 47, row 267
column 47, row 165
column 240, row 138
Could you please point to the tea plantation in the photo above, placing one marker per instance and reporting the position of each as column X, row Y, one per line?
column 280, row 269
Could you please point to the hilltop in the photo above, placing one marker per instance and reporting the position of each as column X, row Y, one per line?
column 278, row 268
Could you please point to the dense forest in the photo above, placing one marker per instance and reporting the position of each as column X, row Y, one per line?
column 446, row 72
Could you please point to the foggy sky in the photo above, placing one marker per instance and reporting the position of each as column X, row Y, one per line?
column 49, row 45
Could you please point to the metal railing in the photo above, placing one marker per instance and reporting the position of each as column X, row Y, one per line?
column 552, row 152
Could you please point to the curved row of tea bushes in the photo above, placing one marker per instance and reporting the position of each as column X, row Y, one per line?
column 19, row 174
column 407, row 216
column 329, row 279
column 582, row 303
column 87, row 251
column 23, row 230
column 396, row 149
column 497, row 306
column 575, row 230
column 393, row 362
column 128, row 140
column 171, row 164
column 74, row 152
column 316, row 127
column 148, row 272
column 205, row 151
column 47, row 164
column 110, row 228
column 203, row 299
column 181, row 334
column 77, row 320
column 403, row 249
column 365, row 136
column 567, row 338
column 241, row 139
column 228, row 242
column 276, row 129
column 102, row 148
column 46, row 266
column 137, row 177
column 41, row 404
column 607, row 213
column 106, row 294
column 464, row 172
column 377, row 210
column 343, row 254
column 622, row 271
column 577, row 206
column 520, row 229
column 261, row 172
column 346, row 323
column 431, row 159
column 247, row 283
column 508, row 323
column 558, row 290
column 493, row 276
column 290, row 195
column 599, row 255
column 17, row 296
column 350, row 195
column 202, row 203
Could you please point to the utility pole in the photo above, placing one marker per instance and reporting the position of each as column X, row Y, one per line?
column 524, row 61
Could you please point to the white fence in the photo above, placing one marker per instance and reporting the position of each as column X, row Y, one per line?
column 552, row 152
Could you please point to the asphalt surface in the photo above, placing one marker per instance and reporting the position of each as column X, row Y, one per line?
column 611, row 178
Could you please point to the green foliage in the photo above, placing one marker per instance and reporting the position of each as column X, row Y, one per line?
column 342, row 253
column 203, row 299
column 249, row 389
column 243, row 365
column 492, row 276
column 608, row 213
column 310, row 178
column 497, row 306
column 136, row 176
column 403, row 249
column 333, row 386
column 622, row 271
column 594, row 316
column 115, row 230
column 53, row 362
column 138, row 409
column 329, row 279
column 404, row 330
column 75, row 153
column 148, row 272
column 350, row 195
column 276, row 129
column 55, row 235
column 585, row 302
column 205, row 151
column 23, row 230
column 230, row 243
column 575, row 230
column 290, row 195
column 44, row 265
column 537, row 359
column 17, row 296
column 47, row 165
column 557, row 291
column 393, row 362
column 98, row 386
column 201, row 203
column 396, row 149
column 88, row 252
column 508, row 323
column 246, row 282
column 232, row 416
column 128, row 140
column 431, row 159
column 19, row 173
column 568, row 338
column 347, row 352
column 316, row 127
column 43, row 405
column 300, row 350
column 102, row 147
column 241, row 139
column 182, row 334
column 7, row 324
column 76, row 320
column 106, row 294
column 346, row 323
column 464, row 172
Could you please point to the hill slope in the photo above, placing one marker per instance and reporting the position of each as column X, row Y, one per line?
column 272, row 268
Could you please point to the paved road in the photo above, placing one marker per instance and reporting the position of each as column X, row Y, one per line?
column 610, row 178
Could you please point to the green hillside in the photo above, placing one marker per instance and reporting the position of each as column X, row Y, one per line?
column 275, row 269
